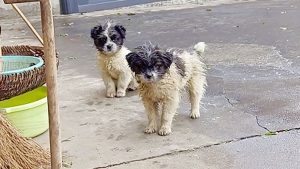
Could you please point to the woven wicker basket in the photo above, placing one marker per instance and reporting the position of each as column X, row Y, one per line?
column 15, row 84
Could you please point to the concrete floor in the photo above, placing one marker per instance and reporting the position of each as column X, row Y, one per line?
column 253, row 61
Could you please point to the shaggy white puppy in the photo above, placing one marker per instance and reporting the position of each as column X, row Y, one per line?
column 162, row 75
column 114, row 68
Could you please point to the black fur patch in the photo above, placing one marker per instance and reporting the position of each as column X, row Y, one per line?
column 180, row 66
column 121, row 30
column 96, row 31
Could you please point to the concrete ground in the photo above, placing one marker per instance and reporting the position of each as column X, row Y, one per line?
column 253, row 61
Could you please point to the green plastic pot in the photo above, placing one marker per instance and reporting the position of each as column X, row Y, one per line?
column 28, row 112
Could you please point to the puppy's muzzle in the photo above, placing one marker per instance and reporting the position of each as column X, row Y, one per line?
column 109, row 47
column 149, row 75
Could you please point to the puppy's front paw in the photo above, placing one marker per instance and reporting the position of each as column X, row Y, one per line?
column 195, row 115
column 164, row 131
column 149, row 130
column 121, row 93
column 110, row 94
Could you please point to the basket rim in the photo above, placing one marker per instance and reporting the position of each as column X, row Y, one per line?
column 20, row 57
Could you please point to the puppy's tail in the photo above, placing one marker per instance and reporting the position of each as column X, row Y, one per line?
column 200, row 48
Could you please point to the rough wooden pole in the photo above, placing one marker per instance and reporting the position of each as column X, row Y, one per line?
column 17, row 9
column 51, row 80
column 0, row 53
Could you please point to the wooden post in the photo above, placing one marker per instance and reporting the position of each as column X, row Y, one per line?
column 17, row 9
column 0, row 53
column 51, row 81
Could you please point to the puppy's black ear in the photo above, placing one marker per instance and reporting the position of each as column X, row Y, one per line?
column 167, row 58
column 96, row 31
column 121, row 30
column 131, row 59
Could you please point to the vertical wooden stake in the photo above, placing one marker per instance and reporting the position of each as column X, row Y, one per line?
column 0, row 53
column 51, row 80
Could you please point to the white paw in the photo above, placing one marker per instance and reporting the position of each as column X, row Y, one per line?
column 195, row 115
column 110, row 94
column 164, row 131
column 121, row 93
column 149, row 130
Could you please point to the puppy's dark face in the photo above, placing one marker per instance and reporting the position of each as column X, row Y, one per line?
column 149, row 63
column 108, row 38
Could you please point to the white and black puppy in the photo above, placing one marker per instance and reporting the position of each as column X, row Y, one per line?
column 115, row 72
column 162, row 75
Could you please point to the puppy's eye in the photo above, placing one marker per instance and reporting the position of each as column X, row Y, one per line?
column 114, row 37
column 102, row 38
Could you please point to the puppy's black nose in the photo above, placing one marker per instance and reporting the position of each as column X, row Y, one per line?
column 109, row 47
column 148, row 76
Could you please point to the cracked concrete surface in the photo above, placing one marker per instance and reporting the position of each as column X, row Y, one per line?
column 252, row 152
column 253, row 81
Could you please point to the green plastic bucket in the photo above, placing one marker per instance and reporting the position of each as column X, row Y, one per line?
column 28, row 112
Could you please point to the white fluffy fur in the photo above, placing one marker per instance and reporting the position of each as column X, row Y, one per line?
column 162, row 98
column 116, row 73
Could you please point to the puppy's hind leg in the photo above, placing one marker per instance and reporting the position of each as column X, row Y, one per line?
column 196, row 90
column 152, row 110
